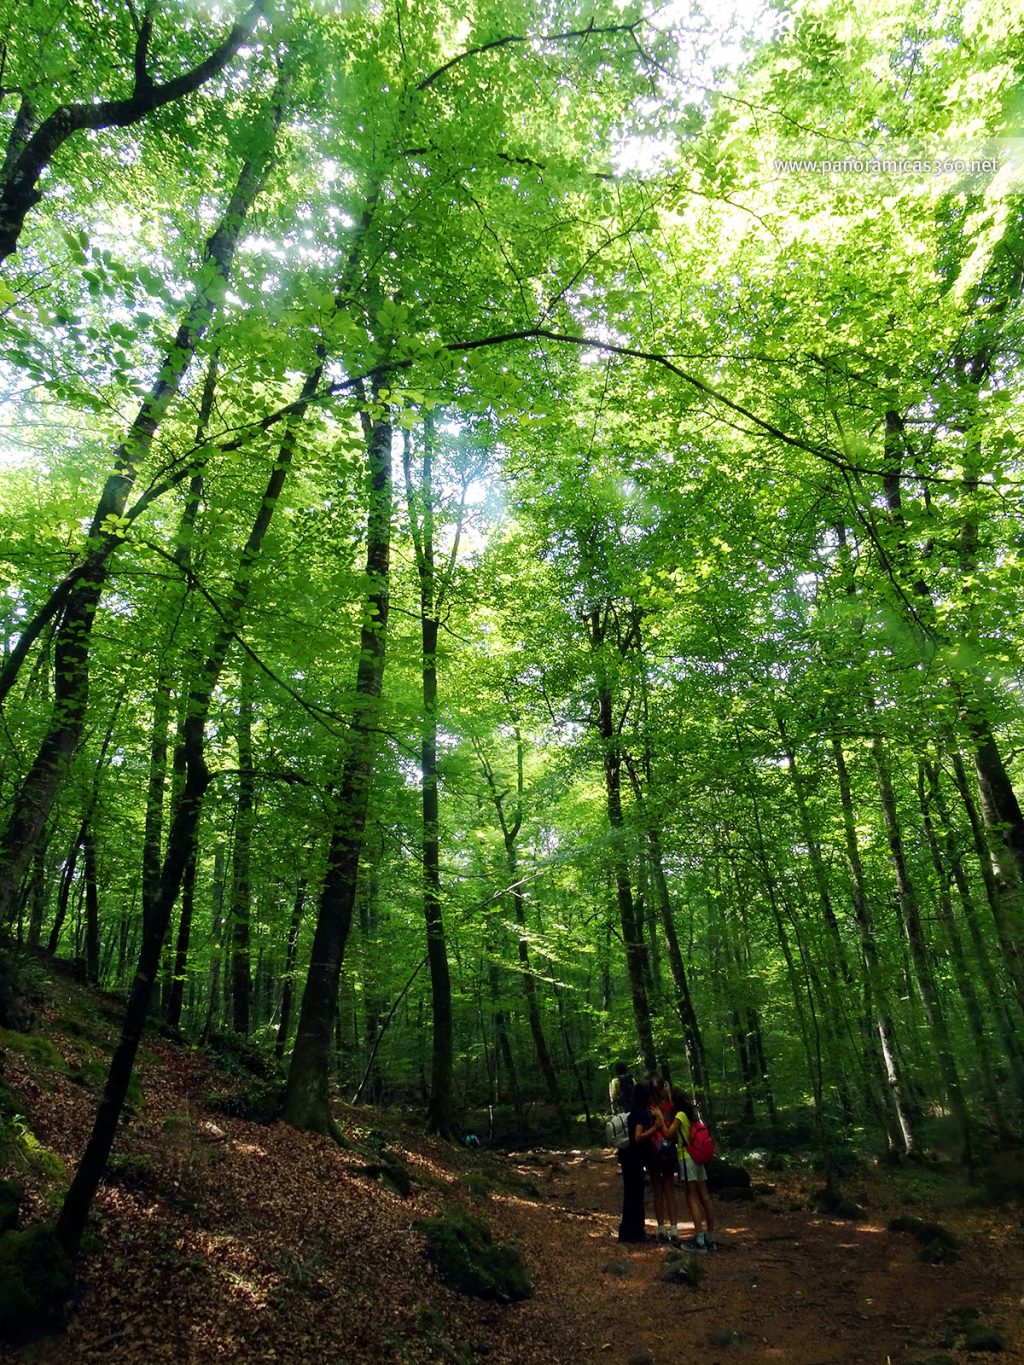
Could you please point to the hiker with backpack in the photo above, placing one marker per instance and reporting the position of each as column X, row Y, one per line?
column 696, row 1148
column 620, row 1090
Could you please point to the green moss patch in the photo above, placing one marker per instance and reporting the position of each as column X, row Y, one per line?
column 964, row 1329
column 38, row 1051
column 470, row 1261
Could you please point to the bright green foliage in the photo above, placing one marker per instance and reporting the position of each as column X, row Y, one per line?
column 730, row 444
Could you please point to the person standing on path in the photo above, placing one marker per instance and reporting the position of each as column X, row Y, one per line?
column 698, row 1198
column 663, row 1161
column 632, row 1158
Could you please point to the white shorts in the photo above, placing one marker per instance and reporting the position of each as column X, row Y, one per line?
column 691, row 1171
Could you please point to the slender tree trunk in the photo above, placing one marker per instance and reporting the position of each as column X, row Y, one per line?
column 510, row 827
column 998, row 895
column 176, row 995
column 241, row 894
column 217, row 928
column 900, row 1128
column 284, row 1026
column 181, row 847
column 612, row 763
column 92, row 909
column 439, row 1113
column 37, row 896
column 914, row 930
column 693, row 1042
column 963, row 970
column 307, row 1099
column 998, row 1005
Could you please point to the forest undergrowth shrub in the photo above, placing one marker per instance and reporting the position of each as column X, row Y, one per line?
column 20, row 988
column 469, row 1260
column 257, row 1092
column 36, row 1281
column 688, row 1270
column 11, row 1194
column 258, row 1101
column 241, row 1057
column 938, row 1245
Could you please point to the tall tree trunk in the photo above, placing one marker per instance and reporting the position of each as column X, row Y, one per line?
column 217, row 937
column 241, row 894
column 900, row 1127
column 612, row 764
column 181, row 847
column 1000, row 1008
column 37, row 896
column 92, row 909
column 176, row 995
column 307, row 1099
column 510, row 826
column 64, row 892
column 963, row 970
column 284, row 1026
column 913, row 928
column 693, row 1042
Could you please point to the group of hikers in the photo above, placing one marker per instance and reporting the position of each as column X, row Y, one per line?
column 661, row 1136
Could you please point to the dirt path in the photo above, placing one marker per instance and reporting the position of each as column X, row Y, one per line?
column 786, row 1285
column 219, row 1239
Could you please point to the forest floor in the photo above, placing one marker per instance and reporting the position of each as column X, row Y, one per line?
column 221, row 1239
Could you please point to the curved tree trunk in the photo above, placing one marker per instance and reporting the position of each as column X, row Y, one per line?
column 30, row 152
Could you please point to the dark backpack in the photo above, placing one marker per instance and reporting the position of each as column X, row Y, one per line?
column 700, row 1144
column 626, row 1087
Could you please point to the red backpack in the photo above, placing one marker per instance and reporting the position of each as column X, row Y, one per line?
column 700, row 1144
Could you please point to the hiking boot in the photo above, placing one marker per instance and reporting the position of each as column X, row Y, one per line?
column 691, row 1244
column 675, row 1239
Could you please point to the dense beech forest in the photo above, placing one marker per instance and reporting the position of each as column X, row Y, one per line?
column 512, row 555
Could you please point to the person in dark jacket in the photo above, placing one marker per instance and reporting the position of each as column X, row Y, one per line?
column 631, row 1159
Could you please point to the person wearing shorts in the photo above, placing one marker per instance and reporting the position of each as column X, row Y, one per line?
column 698, row 1198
